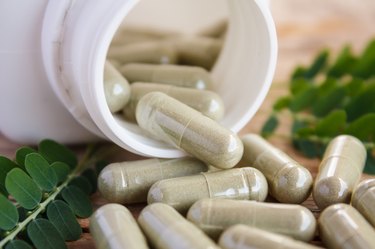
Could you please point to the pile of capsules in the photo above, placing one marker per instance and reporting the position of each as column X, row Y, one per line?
column 206, row 201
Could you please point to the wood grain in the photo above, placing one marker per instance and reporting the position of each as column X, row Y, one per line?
column 304, row 28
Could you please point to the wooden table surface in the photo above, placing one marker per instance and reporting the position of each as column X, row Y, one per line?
column 304, row 28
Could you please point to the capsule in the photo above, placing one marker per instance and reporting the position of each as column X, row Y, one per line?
column 342, row 226
column 213, row 216
column 113, row 227
column 129, row 182
column 180, row 125
column 363, row 199
column 289, row 182
column 130, row 35
column 144, row 52
column 246, row 237
column 339, row 171
column 116, row 88
column 215, row 30
column 167, row 229
column 183, row 76
column 197, row 51
column 207, row 102
column 182, row 192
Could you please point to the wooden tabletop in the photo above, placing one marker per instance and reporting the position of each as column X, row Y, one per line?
column 304, row 28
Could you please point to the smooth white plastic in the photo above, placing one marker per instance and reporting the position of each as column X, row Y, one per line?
column 52, row 56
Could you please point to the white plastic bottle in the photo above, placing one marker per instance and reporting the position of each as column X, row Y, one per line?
column 52, row 55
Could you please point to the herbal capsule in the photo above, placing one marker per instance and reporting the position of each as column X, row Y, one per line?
column 144, row 52
column 167, row 229
column 363, row 199
column 197, row 51
column 182, row 192
column 342, row 226
column 246, row 237
column 182, row 126
column 129, row 35
column 207, row 102
column 289, row 182
column 184, row 76
column 129, row 182
column 213, row 216
column 116, row 88
column 339, row 171
column 215, row 30
column 113, row 227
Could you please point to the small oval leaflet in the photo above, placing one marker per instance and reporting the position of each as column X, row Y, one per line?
column 21, row 154
column 82, row 183
column 6, row 165
column 8, row 214
column 41, row 172
column 60, row 215
column 17, row 244
column 44, row 235
column 23, row 188
column 61, row 170
column 78, row 201
column 55, row 152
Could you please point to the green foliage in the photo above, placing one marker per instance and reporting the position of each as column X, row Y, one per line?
column 33, row 183
column 330, row 98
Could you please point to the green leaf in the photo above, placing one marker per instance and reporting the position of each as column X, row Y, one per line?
column 281, row 103
column 82, row 183
column 318, row 65
column 343, row 64
column 332, row 125
column 308, row 148
column 55, row 152
column 62, row 217
column 41, row 172
column 44, row 235
column 325, row 104
column 99, row 166
column 298, row 85
column 21, row 154
column 17, row 244
column 270, row 126
column 354, row 87
column 8, row 214
column 61, row 170
column 370, row 164
column 78, row 201
column 299, row 72
column 364, row 68
column 23, row 189
column 92, row 177
column 303, row 99
column 362, row 103
column 6, row 165
column 363, row 128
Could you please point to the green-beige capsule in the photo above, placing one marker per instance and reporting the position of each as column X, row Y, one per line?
column 213, row 216
column 130, row 35
column 207, row 102
column 113, row 227
column 183, row 127
column 289, row 182
column 215, row 30
column 184, row 76
column 339, row 171
column 246, row 237
column 181, row 192
column 129, row 182
column 167, row 229
column 197, row 51
column 116, row 88
column 144, row 52
column 342, row 227
column 363, row 199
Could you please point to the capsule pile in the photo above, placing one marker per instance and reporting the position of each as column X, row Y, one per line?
column 191, row 206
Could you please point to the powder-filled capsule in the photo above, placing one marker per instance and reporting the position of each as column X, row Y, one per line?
column 167, row 229
column 113, row 227
column 339, row 171
column 213, row 216
column 342, row 227
column 116, row 88
column 184, row 76
column 129, row 35
column 363, row 199
column 144, row 52
column 181, row 192
column 129, row 182
column 197, row 51
column 215, row 30
column 207, row 102
column 183, row 127
column 288, row 181
column 246, row 237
